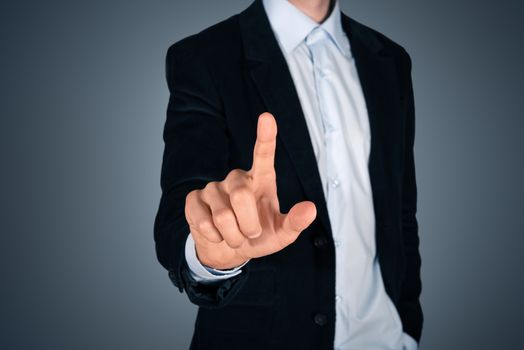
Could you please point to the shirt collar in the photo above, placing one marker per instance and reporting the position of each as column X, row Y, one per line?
column 291, row 26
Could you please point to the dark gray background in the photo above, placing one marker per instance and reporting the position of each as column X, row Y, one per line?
column 83, row 101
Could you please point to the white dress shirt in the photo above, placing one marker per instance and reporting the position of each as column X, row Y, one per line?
column 326, row 79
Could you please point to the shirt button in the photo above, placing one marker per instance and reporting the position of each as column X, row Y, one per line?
column 320, row 241
column 338, row 298
column 322, row 74
column 335, row 183
column 337, row 243
column 320, row 319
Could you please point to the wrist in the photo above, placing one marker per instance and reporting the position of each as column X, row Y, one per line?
column 221, row 262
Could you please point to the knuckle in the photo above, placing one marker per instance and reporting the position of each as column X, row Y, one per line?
column 290, row 239
column 210, row 186
column 265, row 153
column 236, row 173
column 191, row 196
column 240, row 194
column 223, row 216
column 235, row 242
column 252, row 231
column 204, row 225
column 209, row 190
column 283, row 242
column 286, row 237
column 232, row 175
column 213, row 238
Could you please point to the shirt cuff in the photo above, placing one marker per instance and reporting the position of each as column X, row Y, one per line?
column 409, row 342
column 202, row 273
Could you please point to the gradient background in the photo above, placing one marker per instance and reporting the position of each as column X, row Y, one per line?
column 83, row 100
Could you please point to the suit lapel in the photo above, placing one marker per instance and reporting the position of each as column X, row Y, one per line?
column 270, row 73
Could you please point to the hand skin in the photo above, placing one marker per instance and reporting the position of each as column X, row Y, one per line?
column 239, row 218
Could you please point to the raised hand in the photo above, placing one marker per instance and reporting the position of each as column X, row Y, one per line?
column 239, row 218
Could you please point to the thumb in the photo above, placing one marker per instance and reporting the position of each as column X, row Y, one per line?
column 300, row 216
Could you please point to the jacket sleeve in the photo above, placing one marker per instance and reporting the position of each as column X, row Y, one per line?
column 195, row 153
column 409, row 303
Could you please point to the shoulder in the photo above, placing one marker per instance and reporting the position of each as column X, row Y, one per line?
column 212, row 42
column 383, row 45
column 374, row 37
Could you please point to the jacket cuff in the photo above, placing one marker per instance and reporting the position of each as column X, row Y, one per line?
column 211, row 295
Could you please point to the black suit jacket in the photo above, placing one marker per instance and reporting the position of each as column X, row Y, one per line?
column 220, row 80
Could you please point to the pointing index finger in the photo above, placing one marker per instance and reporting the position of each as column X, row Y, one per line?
column 264, row 151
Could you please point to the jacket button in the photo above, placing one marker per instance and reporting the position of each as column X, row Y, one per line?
column 320, row 319
column 320, row 241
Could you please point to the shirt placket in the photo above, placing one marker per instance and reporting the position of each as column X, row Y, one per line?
column 333, row 146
